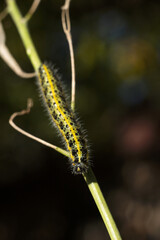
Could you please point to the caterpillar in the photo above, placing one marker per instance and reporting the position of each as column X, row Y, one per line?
column 64, row 118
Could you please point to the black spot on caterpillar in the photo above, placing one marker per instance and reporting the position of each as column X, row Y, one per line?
column 64, row 119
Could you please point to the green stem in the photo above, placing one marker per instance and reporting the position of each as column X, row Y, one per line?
column 98, row 197
column 89, row 176
column 24, row 33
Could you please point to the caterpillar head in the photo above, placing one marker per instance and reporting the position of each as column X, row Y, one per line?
column 79, row 168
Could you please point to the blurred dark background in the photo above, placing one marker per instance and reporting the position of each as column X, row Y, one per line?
column 117, row 53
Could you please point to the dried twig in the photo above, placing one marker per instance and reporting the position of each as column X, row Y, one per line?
column 31, row 10
column 67, row 30
column 9, row 59
column 2, row 35
column 27, row 111
column 66, row 5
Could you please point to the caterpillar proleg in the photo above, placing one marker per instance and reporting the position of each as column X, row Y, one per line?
column 64, row 119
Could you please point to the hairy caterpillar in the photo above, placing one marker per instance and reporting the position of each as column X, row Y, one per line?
column 65, row 119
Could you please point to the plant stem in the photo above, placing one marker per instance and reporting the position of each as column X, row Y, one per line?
column 89, row 176
column 24, row 33
column 98, row 197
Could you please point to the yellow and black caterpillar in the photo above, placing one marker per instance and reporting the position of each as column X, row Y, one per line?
column 65, row 119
